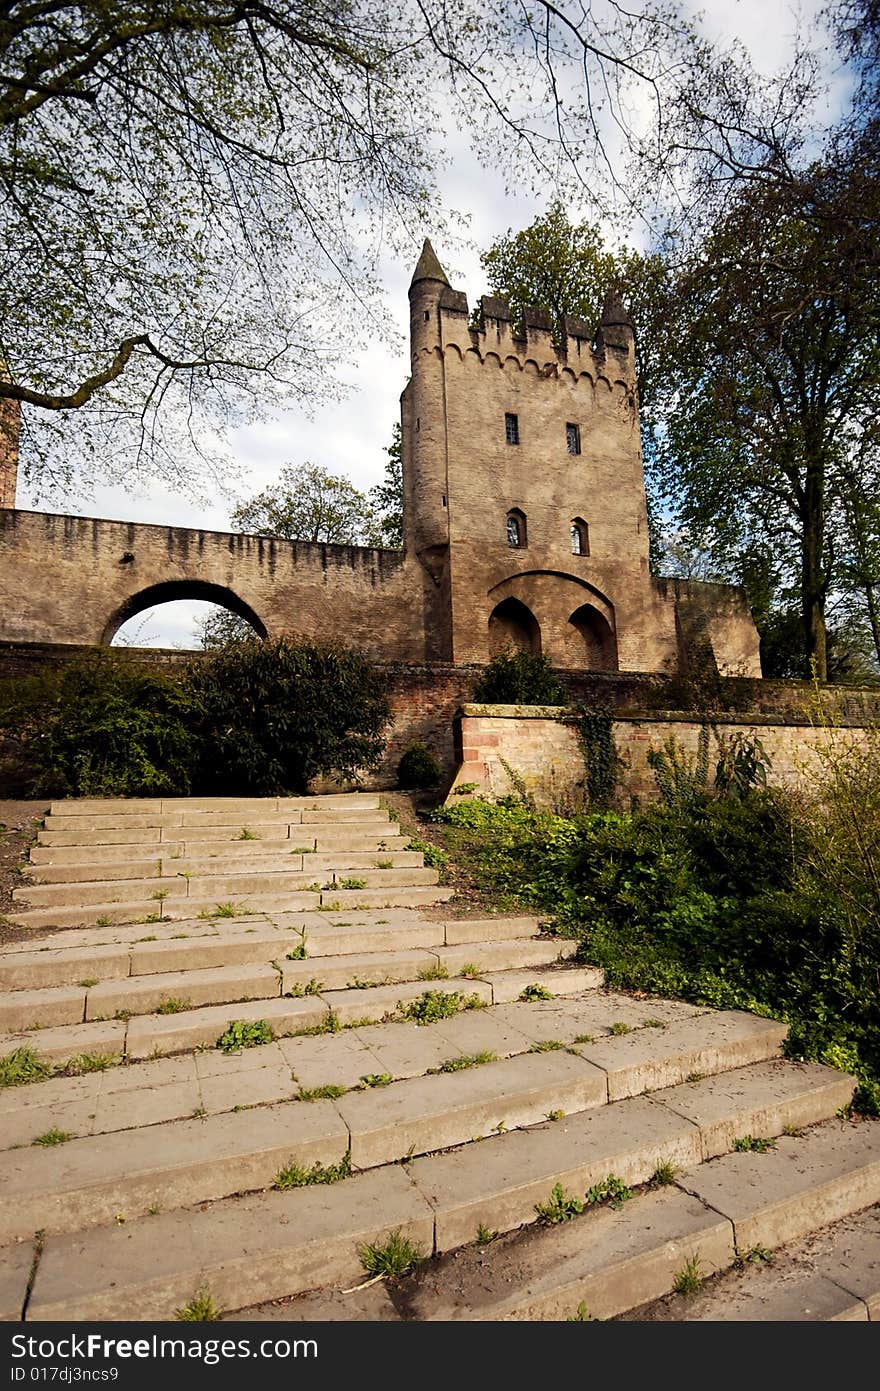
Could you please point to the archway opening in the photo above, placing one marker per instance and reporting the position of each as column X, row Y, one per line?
column 513, row 625
column 188, row 614
column 591, row 642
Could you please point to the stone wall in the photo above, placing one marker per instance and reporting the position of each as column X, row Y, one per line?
column 506, row 747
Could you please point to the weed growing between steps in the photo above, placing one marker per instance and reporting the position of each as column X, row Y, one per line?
column 242, row 1033
column 438, row 1004
column 294, row 1175
column 759, row 900
column 200, row 1309
column 393, row 1258
column 21, row 1067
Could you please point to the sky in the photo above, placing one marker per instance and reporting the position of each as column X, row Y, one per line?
column 348, row 435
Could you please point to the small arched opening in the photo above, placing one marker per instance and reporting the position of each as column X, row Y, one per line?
column 592, row 643
column 517, row 535
column 513, row 625
column 176, row 613
column 579, row 534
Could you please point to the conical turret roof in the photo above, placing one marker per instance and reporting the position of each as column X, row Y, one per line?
column 429, row 268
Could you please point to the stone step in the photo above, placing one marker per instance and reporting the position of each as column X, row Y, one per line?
column 65, row 830
column 145, row 1093
column 266, row 1247
column 610, row 1261
column 314, row 863
column 327, row 928
column 177, row 908
column 86, row 1181
column 217, row 885
column 331, row 840
column 233, row 816
column 139, row 806
column 832, row 1275
column 197, row 984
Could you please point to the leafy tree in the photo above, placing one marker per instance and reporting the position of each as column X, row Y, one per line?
column 195, row 193
column 221, row 627
column 309, row 504
column 387, row 497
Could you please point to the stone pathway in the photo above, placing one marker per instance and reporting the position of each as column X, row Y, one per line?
column 154, row 1163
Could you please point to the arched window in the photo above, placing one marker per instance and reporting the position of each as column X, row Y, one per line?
column 516, row 529
column 580, row 537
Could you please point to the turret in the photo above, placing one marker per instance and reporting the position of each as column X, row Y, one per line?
column 426, row 502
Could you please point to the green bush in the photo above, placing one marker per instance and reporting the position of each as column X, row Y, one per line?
column 103, row 726
column 418, row 768
column 756, row 902
column 272, row 716
column 520, row 678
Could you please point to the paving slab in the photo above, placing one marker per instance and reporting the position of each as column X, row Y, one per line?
column 36, row 1009
column 214, row 985
column 408, row 1050
column 15, row 1269
column 23, row 1127
column 498, row 1181
column 54, row 1090
column 88, row 1182
column 804, row 1183
column 260, row 1086
column 103, row 1040
column 244, row 1250
column 605, row 1260
column 335, row 1059
column 213, row 1062
column 144, row 1106
column 647, row 1060
column 478, row 1031
column 592, row 1014
column 759, row 1100
column 430, row 1113
column 158, row 1072
column 195, row 1028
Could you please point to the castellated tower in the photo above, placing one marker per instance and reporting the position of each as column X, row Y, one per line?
column 525, row 499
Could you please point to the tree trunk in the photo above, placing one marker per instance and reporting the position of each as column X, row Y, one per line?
column 874, row 615
column 813, row 580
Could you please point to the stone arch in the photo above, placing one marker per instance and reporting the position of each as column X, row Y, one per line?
column 512, row 624
column 590, row 640
column 170, row 590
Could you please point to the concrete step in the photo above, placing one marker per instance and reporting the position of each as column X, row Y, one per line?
column 64, row 830
column 235, row 816
column 86, row 1181
column 832, row 1275
column 177, row 908
column 330, row 840
column 267, row 973
column 235, row 862
column 217, row 885
column 277, row 1244
column 609, row 1262
column 145, row 1093
column 131, row 948
column 140, row 806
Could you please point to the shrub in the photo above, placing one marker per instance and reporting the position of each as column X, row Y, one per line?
column 520, row 678
column 272, row 716
column 104, row 726
column 418, row 768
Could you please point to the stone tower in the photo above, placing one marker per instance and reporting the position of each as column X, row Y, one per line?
column 524, row 490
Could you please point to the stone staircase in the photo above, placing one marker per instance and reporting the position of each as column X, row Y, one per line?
column 154, row 1162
